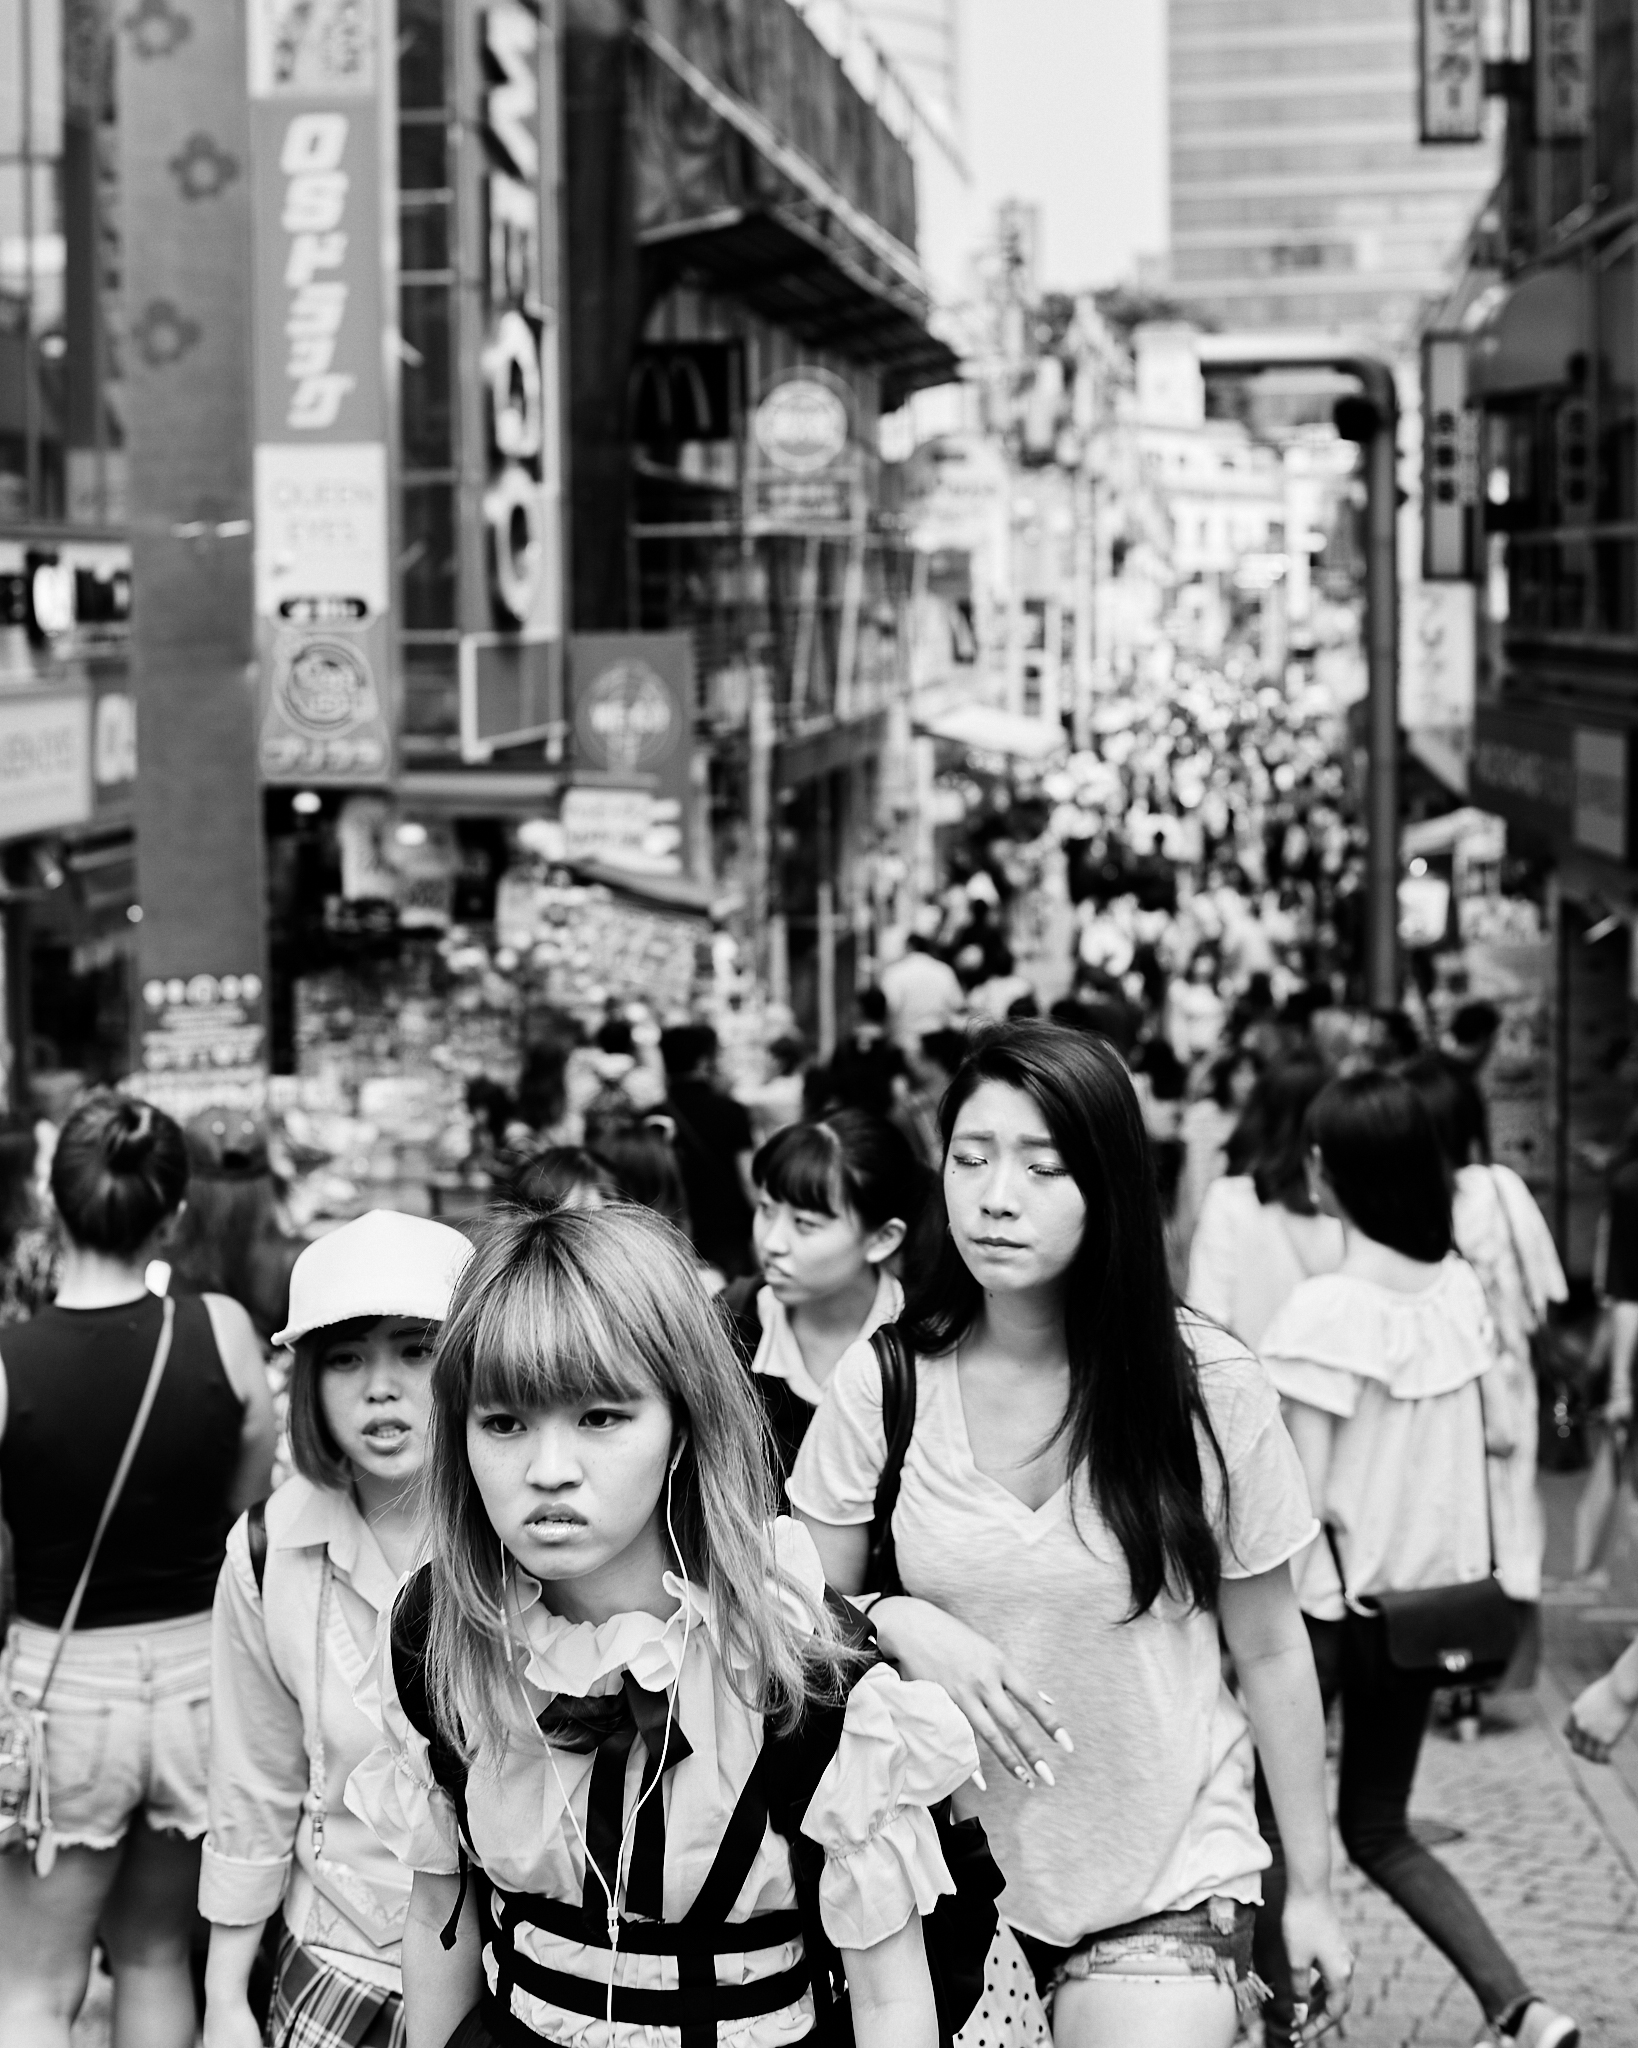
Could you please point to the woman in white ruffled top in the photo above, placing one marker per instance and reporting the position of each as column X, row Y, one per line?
column 1389, row 1373
column 1504, row 1238
column 603, row 1690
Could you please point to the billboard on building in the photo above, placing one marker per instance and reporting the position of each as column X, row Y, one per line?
column 1562, row 56
column 805, row 474
column 632, row 796
column 317, row 70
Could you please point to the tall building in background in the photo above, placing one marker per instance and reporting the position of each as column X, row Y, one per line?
column 1301, row 195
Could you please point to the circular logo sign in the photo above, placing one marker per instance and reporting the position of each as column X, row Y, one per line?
column 627, row 717
column 802, row 426
column 326, row 688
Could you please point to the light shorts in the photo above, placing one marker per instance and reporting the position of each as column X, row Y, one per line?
column 1212, row 1939
column 128, row 1725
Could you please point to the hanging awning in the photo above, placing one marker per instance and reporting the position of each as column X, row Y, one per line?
column 985, row 729
column 802, row 278
column 1537, row 339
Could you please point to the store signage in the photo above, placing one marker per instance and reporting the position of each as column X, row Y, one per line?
column 519, row 361
column 1452, row 71
column 202, row 1043
column 1437, row 658
column 633, row 713
column 1561, row 54
column 1601, row 792
column 45, row 760
column 1450, row 460
column 804, row 472
column 321, row 501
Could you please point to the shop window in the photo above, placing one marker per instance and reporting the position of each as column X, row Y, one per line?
column 432, row 707
column 59, row 439
column 428, row 560
column 421, row 54
column 428, row 426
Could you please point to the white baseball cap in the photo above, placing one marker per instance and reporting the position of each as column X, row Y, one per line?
column 381, row 1264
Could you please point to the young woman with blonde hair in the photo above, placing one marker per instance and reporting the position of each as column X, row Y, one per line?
column 616, row 1700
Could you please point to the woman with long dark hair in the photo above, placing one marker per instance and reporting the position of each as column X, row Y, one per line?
column 1387, row 1367
column 1095, row 1483
column 1259, row 1235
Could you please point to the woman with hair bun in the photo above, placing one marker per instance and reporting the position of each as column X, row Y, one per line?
column 128, row 1708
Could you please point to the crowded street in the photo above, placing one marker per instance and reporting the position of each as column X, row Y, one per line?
column 818, row 1024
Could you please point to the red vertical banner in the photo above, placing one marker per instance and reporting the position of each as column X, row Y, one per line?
column 317, row 76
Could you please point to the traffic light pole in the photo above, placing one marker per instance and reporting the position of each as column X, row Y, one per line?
column 1374, row 423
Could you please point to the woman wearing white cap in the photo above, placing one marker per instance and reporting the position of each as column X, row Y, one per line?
column 305, row 1580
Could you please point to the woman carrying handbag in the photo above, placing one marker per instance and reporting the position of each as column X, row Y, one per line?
column 132, row 1431
column 1386, row 1368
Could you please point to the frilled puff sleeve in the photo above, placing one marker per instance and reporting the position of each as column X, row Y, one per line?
column 905, row 1745
column 393, row 1790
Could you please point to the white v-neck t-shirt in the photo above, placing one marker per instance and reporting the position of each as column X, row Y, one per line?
column 1153, row 1812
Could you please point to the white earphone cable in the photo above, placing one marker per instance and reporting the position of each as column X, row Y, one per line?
column 628, row 1833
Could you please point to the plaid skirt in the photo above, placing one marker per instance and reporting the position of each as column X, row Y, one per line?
column 315, row 2005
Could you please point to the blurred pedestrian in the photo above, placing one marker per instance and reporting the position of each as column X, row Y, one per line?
column 867, row 1070
column 1603, row 1711
column 777, row 1101
column 1259, row 1235
column 933, row 1066
column 568, row 1176
column 30, row 1248
column 120, row 1663
column 1504, row 1237
column 713, row 1145
column 837, row 1201
column 1002, row 986
column 1208, row 1124
column 922, row 991
column 229, row 1239
column 639, row 1152
column 1386, row 1367
column 1094, row 1486
column 309, row 1574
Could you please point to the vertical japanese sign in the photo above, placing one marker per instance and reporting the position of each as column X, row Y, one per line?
column 1561, row 53
column 512, row 677
column 322, row 588
column 1452, row 65
column 1450, row 460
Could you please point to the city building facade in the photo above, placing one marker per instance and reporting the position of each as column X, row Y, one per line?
column 1301, row 194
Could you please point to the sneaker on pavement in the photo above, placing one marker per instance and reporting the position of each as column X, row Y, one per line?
column 1543, row 2027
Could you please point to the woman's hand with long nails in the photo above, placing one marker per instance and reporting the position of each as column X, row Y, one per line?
column 1015, row 1720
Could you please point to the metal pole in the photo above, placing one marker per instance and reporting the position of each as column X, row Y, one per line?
column 1382, row 713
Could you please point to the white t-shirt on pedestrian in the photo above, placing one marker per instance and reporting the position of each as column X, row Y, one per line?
column 922, row 994
column 1406, row 1490
column 1249, row 1257
column 1154, row 1811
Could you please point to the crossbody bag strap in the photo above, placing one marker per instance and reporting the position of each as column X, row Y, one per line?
column 122, row 1472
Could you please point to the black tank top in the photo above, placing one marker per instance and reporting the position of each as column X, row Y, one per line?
column 74, row 1378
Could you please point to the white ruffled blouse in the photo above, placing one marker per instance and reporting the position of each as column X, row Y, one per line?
column 904, row 1746
column 1406, row 1489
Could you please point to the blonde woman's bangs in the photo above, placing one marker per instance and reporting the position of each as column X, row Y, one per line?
column 546, row 1343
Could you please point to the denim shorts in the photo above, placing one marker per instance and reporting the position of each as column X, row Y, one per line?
column 1212, row 1940
column 128, row 1725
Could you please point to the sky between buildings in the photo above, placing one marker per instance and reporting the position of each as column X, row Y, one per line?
column 1064, row 104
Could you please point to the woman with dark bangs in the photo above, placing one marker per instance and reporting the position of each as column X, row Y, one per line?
column 836, row 1202
column 1095, row 1484
column 591, row 1693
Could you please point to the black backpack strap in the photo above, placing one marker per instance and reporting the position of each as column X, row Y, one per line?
column 898, row 1370
column 256, row 1542
column 410, row 1627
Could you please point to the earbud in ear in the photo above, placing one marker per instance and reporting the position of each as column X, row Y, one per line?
column 676, row 1456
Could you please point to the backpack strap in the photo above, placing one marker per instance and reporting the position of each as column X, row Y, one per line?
column 898, row 1370
column 408, row 1633
column 256, row 1542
